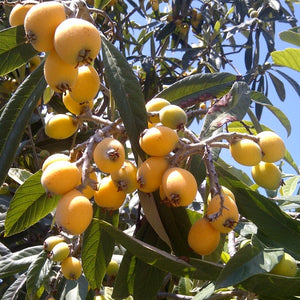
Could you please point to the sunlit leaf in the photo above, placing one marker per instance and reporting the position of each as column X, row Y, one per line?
column 29, row 205
column 291, row 36
column 290, row 57
column 97, row 248
column 15, row 51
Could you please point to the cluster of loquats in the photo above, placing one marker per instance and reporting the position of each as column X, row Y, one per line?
column 221, row 217
column 67, row 69
column 261, row 154
column 60, row 252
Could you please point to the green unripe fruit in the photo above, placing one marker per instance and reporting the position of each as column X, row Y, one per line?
column 267, row 175
column 173, row 116
column 112, row 268
column 60, row 251
column 286, row 267
column 51, row 241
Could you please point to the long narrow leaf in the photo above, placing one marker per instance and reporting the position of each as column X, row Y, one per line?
column 16, row 115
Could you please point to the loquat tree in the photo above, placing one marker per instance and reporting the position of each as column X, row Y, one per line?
column 116, row 121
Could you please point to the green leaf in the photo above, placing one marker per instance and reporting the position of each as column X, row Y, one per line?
column 289, row 186
column 98, row 247
column 198, row 87
column 279, row 86
column 16, row 262
column 15, row 51
column 248, row 261
column 280, row 287
column 148, row 279
column 75, row 289
column 291, row 36
column 37, row 272
column 232, row 107
column 161, row 259
column 290, row 80
column 126, row 92
column 263, row 100
column 16, row 116
column 19, row 175
column 12, row 293
column 289, row 57
column 29, row 205
column 263, row 212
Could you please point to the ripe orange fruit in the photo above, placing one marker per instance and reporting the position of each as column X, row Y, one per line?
column 77, row 41
column 53, row 158
column 267, row 175
column 109, row 155
column 41, row 22
column 108, row 195
column 71, row 268
column 59, row 75
column 87, row 84
column 246, row 152
column 125, row 177
column 272, row 146
column 74, row 212
column 75, row 107
column 203, row 238
column 225, row 191
column 18, row 13
column 179, row 187
column 158, row 140
column 229, row 215
column 61, row 126
column 60, row 177
column 150, row 172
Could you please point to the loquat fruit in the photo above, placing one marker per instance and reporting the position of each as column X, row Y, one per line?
column 246, row 152
column 150, row 172
column 61, row 126
column 109, row 155
column 224, row 191
column 108, row 195
column 59, row 252
column 54, row 157
column 267, row 175
column 203, row 238
column 60, row 177
column 18, row 13
column 158, row 140
column 74, row 212
column 125, row 177
column 83, row 40
column 59, row 75
column 229, row 216
column 75, row 107
column 155, row 105
column 71, row 268
column 179, row 187
column 272, row 146
column 287, row 266
column 41, row 22
column 173, row 116
column 51, row 241
column 87, row 84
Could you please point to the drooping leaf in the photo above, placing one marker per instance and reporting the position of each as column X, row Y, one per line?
column 12, row 293
column 248, row 261
column 263, row 212
column 98, row 247
column 279, row 86
column 291, row 36
column 75, row 289
column 16, row 116
column 29, row 205
column 37, row 272
column 15, row 51
column 290, row 80
column 289, row 57
column 163, row 260
column 195, row 88
column 232, row 107
column 126, row 92
column 16, row 262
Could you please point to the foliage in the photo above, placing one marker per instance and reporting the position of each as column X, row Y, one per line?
column 187, row 53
